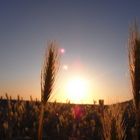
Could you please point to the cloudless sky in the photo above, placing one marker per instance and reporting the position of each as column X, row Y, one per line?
column 94, row 34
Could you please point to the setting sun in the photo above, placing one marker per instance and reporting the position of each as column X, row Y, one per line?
column 76, row 88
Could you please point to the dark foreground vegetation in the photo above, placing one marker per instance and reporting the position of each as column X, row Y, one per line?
column 19, row 121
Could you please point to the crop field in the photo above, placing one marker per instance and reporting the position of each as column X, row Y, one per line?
column 19, row 120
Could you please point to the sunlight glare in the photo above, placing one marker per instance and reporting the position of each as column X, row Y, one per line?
column 77, row 89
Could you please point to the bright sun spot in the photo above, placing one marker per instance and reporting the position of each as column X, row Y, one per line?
column 77, row 89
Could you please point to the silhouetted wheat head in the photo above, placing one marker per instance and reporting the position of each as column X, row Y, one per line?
column 134, row 66
column 48, row 75
column 49, row 71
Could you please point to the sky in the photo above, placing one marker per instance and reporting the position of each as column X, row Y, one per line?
column 94, row 34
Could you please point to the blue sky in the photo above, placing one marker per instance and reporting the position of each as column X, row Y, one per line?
column 93, row 32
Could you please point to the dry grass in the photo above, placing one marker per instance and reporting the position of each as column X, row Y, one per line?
column 21, row 120
column 48, row 75
column 112, row 122
column 134, row 66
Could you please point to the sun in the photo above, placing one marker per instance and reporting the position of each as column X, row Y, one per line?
column 76, row 89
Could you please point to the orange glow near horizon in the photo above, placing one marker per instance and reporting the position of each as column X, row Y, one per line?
column 74, row 88
column 77, row 87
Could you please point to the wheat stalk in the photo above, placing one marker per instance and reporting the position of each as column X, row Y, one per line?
column 112, row 123
column 48, row 75
column 134, row 67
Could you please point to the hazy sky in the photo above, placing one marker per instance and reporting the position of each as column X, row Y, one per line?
column 94, row 34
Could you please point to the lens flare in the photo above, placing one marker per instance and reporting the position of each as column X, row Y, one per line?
column 65, row 67
column 62, row 50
